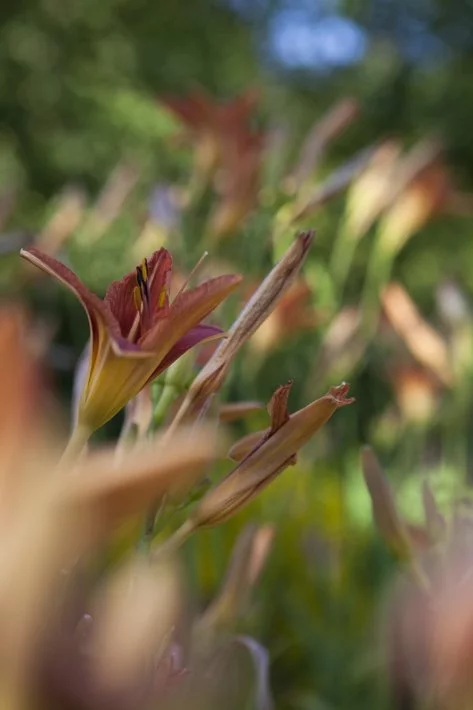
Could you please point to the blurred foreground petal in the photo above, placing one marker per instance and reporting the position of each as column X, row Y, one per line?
column 134, row 614
column 105, row 492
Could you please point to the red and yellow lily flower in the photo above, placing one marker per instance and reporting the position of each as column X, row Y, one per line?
column 136, row 332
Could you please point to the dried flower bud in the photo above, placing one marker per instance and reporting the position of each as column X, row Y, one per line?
column 260, row 305
column 276, row 450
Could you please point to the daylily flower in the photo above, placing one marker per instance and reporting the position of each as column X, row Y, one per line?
column 228, row 148
column 135, row 331
column 422, row 190
column 215, row 126
column 417, row 392
column 240, row 181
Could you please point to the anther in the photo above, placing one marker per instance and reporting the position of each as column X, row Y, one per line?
column 142, row 280
column 137, row 300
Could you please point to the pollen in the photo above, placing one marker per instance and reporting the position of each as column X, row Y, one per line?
column 144, row 269
column 162, row 298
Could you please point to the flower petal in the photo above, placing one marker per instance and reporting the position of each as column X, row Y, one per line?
column 20, row 395
column 277, row 407
column 106, row 494
column 160, row 271
column 187, row 311
column 119, row 298
column 117, row 377
column 103, row 325
column 194, row 110
column 95, row 308
column 200, row 334
column 244, row 446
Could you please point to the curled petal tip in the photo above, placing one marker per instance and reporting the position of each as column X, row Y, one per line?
column 306, row 238
column 235, row 279
column 339, row 394
column 28, row 253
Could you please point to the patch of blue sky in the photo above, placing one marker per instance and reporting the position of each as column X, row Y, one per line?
column 299, row 41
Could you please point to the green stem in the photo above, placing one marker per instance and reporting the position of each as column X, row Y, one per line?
column 168, row 396
column 341, row 258
column 172, row 544
column 378, row 274
column 75, row 445
column 163, row 397
column 149, row 527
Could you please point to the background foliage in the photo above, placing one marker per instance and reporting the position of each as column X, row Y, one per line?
column 80, row 82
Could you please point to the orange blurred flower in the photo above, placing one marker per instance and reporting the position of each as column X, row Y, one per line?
column 227, row 148
column 428, row 193
column 425, row 344
column 417, row 392
column 211, row 124
column 239, row 183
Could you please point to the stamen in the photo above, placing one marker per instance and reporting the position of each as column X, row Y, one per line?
column 144, row 268
column 162, row 298
column 137, row 300
column 192, row 273
column 141, row 296
column 142, row 280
